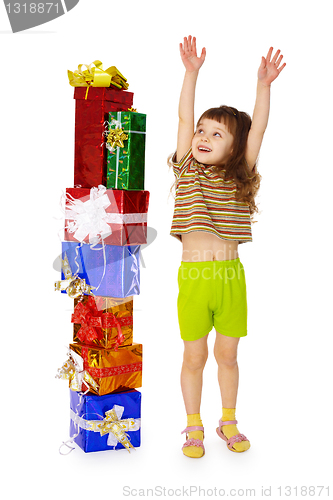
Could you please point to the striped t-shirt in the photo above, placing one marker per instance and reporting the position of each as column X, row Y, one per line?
column 206, row 202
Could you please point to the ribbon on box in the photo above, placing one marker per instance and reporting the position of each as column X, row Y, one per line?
column 112, row 424
column 77, row 370
column 92, row 320
column 110, row 321
column 111, row 370
column 95, row 76
column 72, row 284
column 73, row 370
column 116, row 136
column 115, row 139
column 91, row 219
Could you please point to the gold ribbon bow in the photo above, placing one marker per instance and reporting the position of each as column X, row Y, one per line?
column 72, row 370
column 73, row 285
column 95, row 76
column 113, row 425
column 116, row 138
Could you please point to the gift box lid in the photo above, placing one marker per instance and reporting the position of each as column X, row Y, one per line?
column 130, row 399
column 120, row 201
column 104, row 94
column 101, row 357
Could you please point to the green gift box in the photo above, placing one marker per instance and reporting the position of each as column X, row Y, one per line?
column 126, row 139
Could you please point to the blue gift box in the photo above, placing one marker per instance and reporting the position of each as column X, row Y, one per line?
column 89, row 410
column 119, row 264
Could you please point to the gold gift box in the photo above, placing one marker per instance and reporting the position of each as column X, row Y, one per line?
column 112, row 371
column 122, row 311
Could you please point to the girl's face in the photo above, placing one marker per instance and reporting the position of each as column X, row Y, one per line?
column 212, row 142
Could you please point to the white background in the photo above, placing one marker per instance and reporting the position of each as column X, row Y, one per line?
column 285, row 393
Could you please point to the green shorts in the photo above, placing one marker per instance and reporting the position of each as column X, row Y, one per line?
column 212, row 293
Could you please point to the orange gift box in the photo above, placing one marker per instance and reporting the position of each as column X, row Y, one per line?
column 111, row 371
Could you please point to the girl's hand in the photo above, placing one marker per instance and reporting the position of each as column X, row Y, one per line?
column 269, row 69
column 188, row 53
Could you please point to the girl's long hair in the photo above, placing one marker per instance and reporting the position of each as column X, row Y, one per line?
column 235, row 167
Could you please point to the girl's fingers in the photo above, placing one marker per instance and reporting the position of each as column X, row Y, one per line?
column 189, row 47
column 269, row 53
column 275, row 56
column 280, row 69
column 189, row 43
column 279, row 61
column 263, row 63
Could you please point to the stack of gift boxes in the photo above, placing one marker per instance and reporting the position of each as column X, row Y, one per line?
column 105, row 225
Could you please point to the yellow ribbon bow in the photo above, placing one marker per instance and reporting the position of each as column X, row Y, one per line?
column 112, row 424
column 74, row 286
column 72, row 370
column 95, row 76
column 116, row 138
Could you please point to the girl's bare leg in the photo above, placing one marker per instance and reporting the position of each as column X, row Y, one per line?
column 195, row 357
column 225, row 352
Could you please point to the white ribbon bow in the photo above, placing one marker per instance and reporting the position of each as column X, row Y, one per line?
column 89, row 217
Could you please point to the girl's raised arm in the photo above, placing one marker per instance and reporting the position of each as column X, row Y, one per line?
column 268, row 71
column 192, row 63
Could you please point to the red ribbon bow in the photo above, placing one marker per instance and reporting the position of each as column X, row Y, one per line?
column 110, row 321
column 92, row 321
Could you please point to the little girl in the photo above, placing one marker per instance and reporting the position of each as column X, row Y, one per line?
column 216, row 183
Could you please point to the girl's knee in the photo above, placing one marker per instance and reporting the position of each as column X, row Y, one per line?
column 225, row 357
column 195, row 360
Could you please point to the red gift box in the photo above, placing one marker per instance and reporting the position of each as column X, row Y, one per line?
column 103, row 321
column 91, row 111
column 125, row 217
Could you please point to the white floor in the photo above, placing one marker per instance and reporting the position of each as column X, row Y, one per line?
column 285, row 394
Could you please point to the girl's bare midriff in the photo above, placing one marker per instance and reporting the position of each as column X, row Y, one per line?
column 201, row 246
